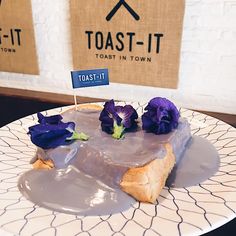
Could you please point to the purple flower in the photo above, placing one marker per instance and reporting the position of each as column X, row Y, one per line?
column 51, row 132
column 161, row 116
column 116, row 120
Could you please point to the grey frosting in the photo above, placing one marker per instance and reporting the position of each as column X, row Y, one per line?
column 108, row 159
column 199, row 162
column 71, row 191
column 87, row 174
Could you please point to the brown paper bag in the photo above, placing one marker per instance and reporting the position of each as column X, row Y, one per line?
column 17, row 42
column 138, row 41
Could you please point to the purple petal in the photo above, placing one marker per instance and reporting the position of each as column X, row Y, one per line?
column 109, row 106
column 70, row 125
column 107, row 121
column 55, row 119
column 147, row 122
column 128, row 115
column 51, row 139
column 48, row 127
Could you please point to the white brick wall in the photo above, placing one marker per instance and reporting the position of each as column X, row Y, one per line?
column 208, row 58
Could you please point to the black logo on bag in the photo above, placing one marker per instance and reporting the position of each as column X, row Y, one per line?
column 118, row 6
column 107, row 43
column 10, row 36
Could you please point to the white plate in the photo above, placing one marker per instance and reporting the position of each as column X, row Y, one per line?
column 183, row 211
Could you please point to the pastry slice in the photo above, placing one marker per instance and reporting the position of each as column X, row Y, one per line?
column 145, row 183
column 138, row 163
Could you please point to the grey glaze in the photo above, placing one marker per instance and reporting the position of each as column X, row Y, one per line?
column 87, row 182
column 199, row 162
column 107, row 159
column 71, row 191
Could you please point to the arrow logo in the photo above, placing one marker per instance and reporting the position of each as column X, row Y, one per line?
column 117, row 7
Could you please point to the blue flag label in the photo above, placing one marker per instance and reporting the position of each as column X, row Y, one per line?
column 89, row 78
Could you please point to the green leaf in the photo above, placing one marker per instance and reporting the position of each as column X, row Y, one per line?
column 79, row 136
column 118, row 131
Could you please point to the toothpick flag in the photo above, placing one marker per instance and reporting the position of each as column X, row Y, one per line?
column 89, row 78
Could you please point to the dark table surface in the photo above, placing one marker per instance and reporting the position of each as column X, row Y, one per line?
column 13, row 108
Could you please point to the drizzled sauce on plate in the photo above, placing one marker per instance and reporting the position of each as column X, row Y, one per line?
column 85, row 184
